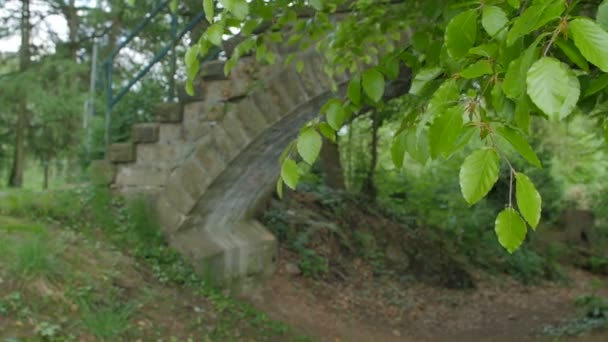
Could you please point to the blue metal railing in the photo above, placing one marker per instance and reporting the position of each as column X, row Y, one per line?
column 107, row 67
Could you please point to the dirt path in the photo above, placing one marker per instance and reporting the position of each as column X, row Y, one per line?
column 499, row 310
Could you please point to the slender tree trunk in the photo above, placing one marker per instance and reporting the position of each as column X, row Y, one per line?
column 331, row 166
column 46, row 167
column 73, row 24
column 16, row 176
column 369, row 188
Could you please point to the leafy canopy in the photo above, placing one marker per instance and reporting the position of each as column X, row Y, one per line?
column 481, row 70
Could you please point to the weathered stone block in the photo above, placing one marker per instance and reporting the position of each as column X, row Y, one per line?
column 314, row 80
column 121, row 153
column 235, row 130
column 253, row 120
column 237, row 257
column 213, row 70
column 145, row 133
column 102, row 172
column 140, row 176
column 168, row 217
column 227, row 148
column 168, row 112
column 195, row 177
column 176, row 194
column 171, row 133
column 264, row 101
column 277, row 88
column 209, row 157
column 293, row 86
column 224, row 90
column 205, row 111
column 162, row 156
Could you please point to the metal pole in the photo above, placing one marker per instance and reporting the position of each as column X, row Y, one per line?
column 173, row 68
column 109, row 100
column 90, row 110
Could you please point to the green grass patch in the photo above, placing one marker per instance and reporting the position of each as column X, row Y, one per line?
column 28, row 251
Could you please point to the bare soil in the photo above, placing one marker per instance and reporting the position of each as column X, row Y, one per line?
column 499, row 309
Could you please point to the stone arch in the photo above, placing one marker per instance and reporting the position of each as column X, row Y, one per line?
column 212, row 159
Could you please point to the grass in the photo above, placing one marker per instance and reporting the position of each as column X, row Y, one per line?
column 106, row 323
column 83, row 265
column 31, row 253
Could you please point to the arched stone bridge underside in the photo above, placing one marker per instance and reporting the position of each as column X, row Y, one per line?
column 210, row 161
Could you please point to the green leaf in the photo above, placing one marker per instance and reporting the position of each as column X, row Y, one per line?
column 214, row 33
column 445, row 130
column 572, row 53
column 528, row 199
column 447, row 95
column 484, row 50
column 514, row 3
column 553, row 87
column 373, row 84
column 327, row 131
column 280, row 187
column 597, row 85
column 335, row 115
column 477, row 69
column 309, row 145
column 191, row 55
column 510, row 229
column 417, row 145
column 173, row 6
column 461, row 33
column 514, row 85
column 535, row 17
column 602, row 15
column 289, row 173
column 398, row 149
column 592, row 41
column 209, row 9
column 317, row 4
column 493, row 20
column 238, row 8
column 354, row 91
column 498, row 97
column 423, row 77
column 522, row 113
column 478, row 174
column 189, row 87
column 520, row 144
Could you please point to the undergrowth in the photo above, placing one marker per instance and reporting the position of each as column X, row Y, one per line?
column 37, row 256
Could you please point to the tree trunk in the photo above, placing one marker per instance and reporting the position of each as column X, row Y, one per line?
column 369, row 188
column 45, row 182
column 71, row 16
column 331, row 166
column 16, row 176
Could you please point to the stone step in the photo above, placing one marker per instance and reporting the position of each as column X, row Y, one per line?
column 121, row 153
column 169, row 112
column 145, row 133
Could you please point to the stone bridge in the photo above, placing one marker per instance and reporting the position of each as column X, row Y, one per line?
column 210, row 161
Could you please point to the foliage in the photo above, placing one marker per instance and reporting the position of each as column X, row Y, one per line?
column 470, row 78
